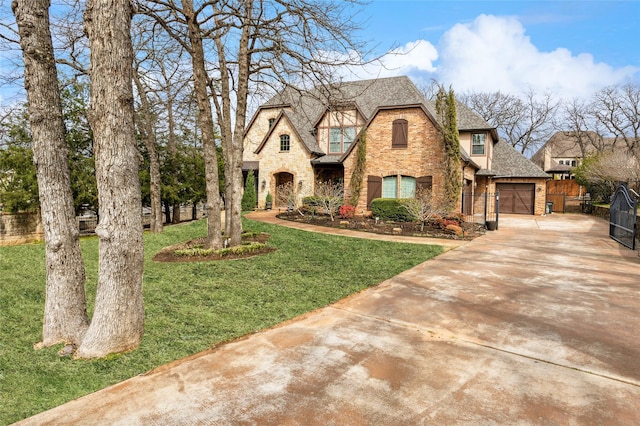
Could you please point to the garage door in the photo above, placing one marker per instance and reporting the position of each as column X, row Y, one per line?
column 516, row 198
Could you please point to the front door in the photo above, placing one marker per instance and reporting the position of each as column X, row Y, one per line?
column 284, row 189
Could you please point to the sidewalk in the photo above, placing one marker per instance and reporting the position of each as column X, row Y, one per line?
column 535, row 323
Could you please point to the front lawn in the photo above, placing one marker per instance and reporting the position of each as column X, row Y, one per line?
column 189, row 306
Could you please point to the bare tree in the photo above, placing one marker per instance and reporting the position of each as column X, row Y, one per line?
column 182, row 22
column 330, row 196
column 262, row 44
column 617, row 108
column 118, row 320
column 287, row 195
column 65, row 314
column 526, row 121
column 426, row 205
column 145, row 123
column 255, row 46
column 579, row 124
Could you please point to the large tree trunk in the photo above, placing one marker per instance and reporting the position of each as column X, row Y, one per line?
column 149, row 139
column 118, row 320
column 233, row 141
column 65, row 314
column 205, row 122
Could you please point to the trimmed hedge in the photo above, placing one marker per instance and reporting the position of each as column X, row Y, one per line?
column 391, row 209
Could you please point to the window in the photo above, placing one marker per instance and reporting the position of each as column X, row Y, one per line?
column 271, row 121
column 390, row 187
column 335, row 139
column 285, row 143
column 340, row 139
column 478, row 144
column 561, row 162
column 407, row 187
column 573, row 163
column 399, row 135
column 349, row 136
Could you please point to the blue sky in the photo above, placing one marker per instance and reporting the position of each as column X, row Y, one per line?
column 569, row 48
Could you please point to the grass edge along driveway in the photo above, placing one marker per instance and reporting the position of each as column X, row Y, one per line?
column 189, row 306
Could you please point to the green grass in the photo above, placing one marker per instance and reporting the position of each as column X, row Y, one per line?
column 189, row 306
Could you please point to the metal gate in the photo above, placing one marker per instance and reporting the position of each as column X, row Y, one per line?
column 485, row 208
column 622, row 216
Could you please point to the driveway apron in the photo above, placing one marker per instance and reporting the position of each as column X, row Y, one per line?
column 535, row 323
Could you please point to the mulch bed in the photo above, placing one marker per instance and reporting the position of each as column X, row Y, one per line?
column 367, row 224
column 167, row 253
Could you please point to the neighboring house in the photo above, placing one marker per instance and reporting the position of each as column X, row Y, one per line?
column 566, row 150
column 305, row 137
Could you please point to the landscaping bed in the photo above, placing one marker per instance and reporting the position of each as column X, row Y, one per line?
column 439, row 228
column 253, row 244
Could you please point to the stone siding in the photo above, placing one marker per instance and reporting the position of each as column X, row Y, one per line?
column 272, row 161
column 20, row 228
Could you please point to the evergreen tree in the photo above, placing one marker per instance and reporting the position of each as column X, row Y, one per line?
column 249, row 197
column 447, row 114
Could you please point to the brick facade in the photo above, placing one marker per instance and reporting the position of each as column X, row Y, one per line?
column 423, row 155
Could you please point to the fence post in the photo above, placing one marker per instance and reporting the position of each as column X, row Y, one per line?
column 497, row 208
column 485, row 208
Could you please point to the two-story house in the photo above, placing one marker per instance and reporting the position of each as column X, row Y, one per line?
column 305, row 137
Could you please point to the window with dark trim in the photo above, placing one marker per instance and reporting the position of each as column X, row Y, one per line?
column 390, row 187
column 407, row 187
column 478, row 144
column 285, row 143
column 400, row 131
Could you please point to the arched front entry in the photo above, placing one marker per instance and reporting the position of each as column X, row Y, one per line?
column 282, row 178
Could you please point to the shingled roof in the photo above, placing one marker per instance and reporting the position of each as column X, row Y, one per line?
column 305, row 108
column 507, row 162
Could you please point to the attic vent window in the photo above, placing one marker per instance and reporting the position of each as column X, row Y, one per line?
column 478, row 144
column 400, row 131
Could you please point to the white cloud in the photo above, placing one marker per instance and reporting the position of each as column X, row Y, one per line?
column 493, row 53
column 414, row 59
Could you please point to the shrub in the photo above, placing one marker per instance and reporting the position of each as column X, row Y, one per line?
column 249, row 197
column 312, row 201
column 319, row 204
column 391, row 209
column 192, row 252
column 347, row 211
column 241, row 249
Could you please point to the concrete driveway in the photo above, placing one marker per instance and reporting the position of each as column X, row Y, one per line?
column 536, row 323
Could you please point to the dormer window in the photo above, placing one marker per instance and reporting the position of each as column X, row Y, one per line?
column 337, row 130
column 478, row 144
column 340, row 139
